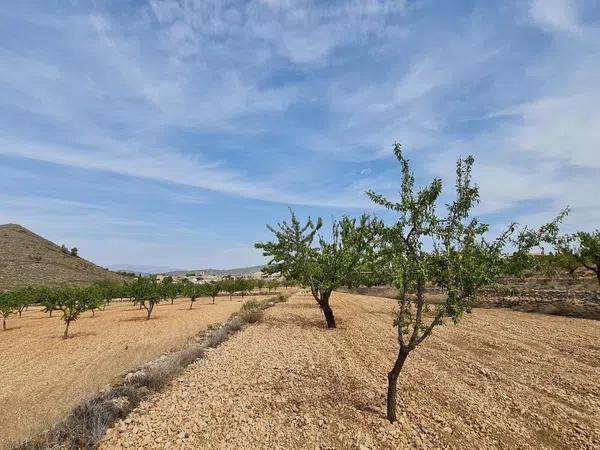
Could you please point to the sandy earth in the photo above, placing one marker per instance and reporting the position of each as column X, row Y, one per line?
column 501, row 379
column 43, row 376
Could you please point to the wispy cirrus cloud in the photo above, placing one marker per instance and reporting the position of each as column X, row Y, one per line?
column 186, row 106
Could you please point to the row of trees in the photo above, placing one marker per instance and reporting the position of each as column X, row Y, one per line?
column 573, row 254
column 425, row 245
column 70, row 301
column 146, row 292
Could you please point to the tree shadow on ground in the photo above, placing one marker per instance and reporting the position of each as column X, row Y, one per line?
column 301, row 305
column 46, row 316
column 74, row 335
column 138, row 319
column 299, row 321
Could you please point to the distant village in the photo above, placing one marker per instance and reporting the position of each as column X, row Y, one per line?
column 202, row 277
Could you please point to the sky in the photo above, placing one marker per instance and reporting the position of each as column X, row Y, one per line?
column 167, row 133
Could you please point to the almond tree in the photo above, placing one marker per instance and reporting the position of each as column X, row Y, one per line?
column 272, row 285
column 342, row 261
column 212, row 290
column 23, row 298
column 74, row 301
column 145, row 292
column 173, row 289
column 447, row 250
column 584, row 248
column 108, row 291
column 244, row 286
column 193, row 291
column 8, row 306
column 230, row 286
column 50, row 299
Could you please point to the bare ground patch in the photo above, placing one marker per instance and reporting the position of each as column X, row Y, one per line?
column 45, row 376
column 501, row 379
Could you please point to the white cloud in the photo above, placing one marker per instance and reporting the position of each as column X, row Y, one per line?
column 556, row 15
column 110, row 93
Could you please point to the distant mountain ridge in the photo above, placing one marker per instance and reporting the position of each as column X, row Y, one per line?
column 27, row 259
column 238, row 272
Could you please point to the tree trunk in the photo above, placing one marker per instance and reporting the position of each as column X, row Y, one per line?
column 20, row 313
column 67, row 330
column 4, row 323
column 393, row 382
column 191, row 304
column 50, row 313
column 171, row 301
column 315, row 293
column 149, row 312
column 213, row 300
column 327, row 311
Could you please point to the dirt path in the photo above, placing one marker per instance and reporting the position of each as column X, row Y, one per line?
column 44, row 376
column 501, row 379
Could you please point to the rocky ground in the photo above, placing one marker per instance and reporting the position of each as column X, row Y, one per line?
column 502, row 379
column 44, row 376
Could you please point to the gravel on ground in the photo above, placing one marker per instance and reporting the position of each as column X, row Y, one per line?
column 501, row 379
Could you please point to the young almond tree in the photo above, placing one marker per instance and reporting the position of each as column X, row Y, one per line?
column 447, row 250
column 341, row 262
column 50, row 299
column 24, row 297
column 272, row 285
column 146, row 293
column 584, row 248
column 260, row 284
column 229, row 286
column 212, row 290
column 8, row 305
column 75, row 301
column 173, row 290
column 244, row 286
column 193, row 291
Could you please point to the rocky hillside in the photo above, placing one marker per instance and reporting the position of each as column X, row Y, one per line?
column 27, row 259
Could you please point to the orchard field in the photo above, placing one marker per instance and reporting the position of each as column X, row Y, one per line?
column 44, row 375
column 502, row 379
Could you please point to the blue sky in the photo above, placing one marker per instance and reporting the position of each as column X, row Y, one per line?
column 167, row 133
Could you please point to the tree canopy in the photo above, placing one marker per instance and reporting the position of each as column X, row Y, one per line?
column 301, row 253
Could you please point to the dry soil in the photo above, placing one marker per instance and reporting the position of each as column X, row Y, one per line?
column 43, row 376
column 501, row 379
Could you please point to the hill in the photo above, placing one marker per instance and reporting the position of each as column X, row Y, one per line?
column 27, row 259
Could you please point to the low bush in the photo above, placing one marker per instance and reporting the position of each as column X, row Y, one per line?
column 86, row 424
column 215, row 338
column 252, row 311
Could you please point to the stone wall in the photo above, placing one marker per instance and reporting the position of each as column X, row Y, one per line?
column 565, row 302
column 583, row 304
